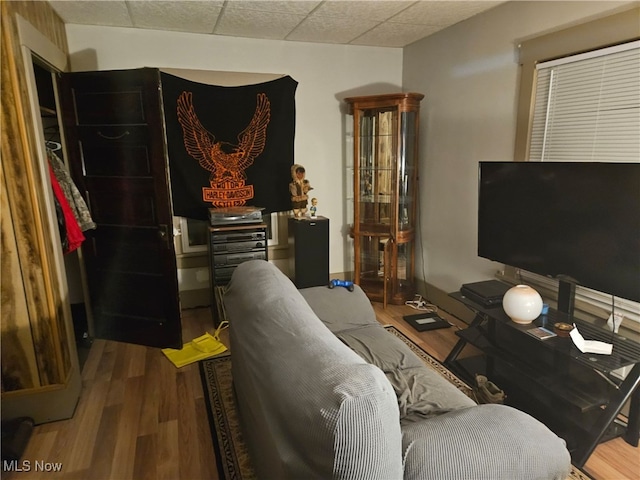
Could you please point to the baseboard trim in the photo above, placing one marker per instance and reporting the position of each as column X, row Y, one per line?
column 442, row 300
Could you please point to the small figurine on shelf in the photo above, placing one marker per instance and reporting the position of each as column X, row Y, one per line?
column 299, row 188
column 368, row 188
column 314, row 208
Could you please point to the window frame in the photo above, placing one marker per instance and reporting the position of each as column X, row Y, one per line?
column 587, row 96
column 615, row 29
column 612, row 30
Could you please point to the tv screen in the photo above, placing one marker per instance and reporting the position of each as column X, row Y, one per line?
column 576, row 221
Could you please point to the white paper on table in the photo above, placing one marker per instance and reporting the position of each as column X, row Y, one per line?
column 589, row 346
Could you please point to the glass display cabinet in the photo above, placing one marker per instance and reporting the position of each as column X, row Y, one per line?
column 384, row 170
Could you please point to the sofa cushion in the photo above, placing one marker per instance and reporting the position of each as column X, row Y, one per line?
column 339, row 309
column 486, row 442
column 422, row 392
column 309, row 406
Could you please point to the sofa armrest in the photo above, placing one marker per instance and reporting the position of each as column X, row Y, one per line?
column 309, row 406
column 492, row 442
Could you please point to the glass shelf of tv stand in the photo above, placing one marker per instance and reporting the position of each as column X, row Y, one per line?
column 573, row 393
column 625, row 352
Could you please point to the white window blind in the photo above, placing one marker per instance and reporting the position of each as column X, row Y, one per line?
column 587, row 107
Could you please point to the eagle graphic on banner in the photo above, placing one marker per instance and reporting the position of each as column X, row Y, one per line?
column 229, row 145
column 227, row 162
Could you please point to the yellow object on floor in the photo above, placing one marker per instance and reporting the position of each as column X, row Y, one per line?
column 197, row 349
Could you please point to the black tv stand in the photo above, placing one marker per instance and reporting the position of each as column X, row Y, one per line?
column 573, row 393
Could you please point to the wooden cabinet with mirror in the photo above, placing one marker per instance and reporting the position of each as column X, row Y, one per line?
column 384, row 170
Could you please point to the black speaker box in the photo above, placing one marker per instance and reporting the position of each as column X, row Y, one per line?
column 309, row 251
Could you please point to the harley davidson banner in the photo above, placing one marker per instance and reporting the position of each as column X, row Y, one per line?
column 229, row 146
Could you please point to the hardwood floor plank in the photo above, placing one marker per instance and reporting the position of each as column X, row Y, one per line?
column 205, row 442
column 192, row 373
column 615, row 459
column 42, row 448
column 45, row 443
column 121, row 361
column 125, row 452
column 65, row 432
column 104, row 448
column 78, row 475
column 137, row 359
column 107, row 362
column 144, row 467
column 115, row 395
column 149, row 416
column 187, row 428
column 94, row 359
column 88, row 421
column 168, row 451
column 168, row 409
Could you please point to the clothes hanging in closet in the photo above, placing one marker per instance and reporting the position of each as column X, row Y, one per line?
column 62, row 225
column 74, row 236
column 72, row 194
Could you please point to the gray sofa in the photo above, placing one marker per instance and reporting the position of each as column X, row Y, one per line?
column 324, row 391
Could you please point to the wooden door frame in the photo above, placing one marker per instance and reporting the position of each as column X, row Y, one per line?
column 55, row 401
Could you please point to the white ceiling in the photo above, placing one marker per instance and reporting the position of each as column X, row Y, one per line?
column 383, row 23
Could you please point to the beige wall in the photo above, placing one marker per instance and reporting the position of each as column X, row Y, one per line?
column 470, row 76
column 468, row 72
column 326, row 74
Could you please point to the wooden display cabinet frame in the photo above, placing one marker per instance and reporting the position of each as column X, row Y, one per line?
column 385, row 174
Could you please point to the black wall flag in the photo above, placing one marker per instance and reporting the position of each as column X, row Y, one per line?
column 229, row 146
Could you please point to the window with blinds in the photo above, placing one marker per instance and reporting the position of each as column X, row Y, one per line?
column 587, row 108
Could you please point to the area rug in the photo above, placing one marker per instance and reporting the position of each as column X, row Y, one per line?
column 232, row 457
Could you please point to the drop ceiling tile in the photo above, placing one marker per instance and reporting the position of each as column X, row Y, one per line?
column 90, row 12
column 394, row 35
column 324, row 21
column 330, row 29
column 192, row 16
column 294, row 7
column 442, row 12
column 358, row 9
column 238, row 22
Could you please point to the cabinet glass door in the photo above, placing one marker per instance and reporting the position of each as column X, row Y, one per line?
column 378, row 157
column 407, row 171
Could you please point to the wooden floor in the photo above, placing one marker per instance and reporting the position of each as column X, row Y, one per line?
column 141, row 418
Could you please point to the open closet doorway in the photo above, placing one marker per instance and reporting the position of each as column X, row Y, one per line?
column 44, row 75
column 41, row 372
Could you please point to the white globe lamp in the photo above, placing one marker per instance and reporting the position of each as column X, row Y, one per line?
column 522, row 304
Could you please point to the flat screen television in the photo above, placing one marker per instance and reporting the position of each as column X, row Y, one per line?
column 578, row 222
